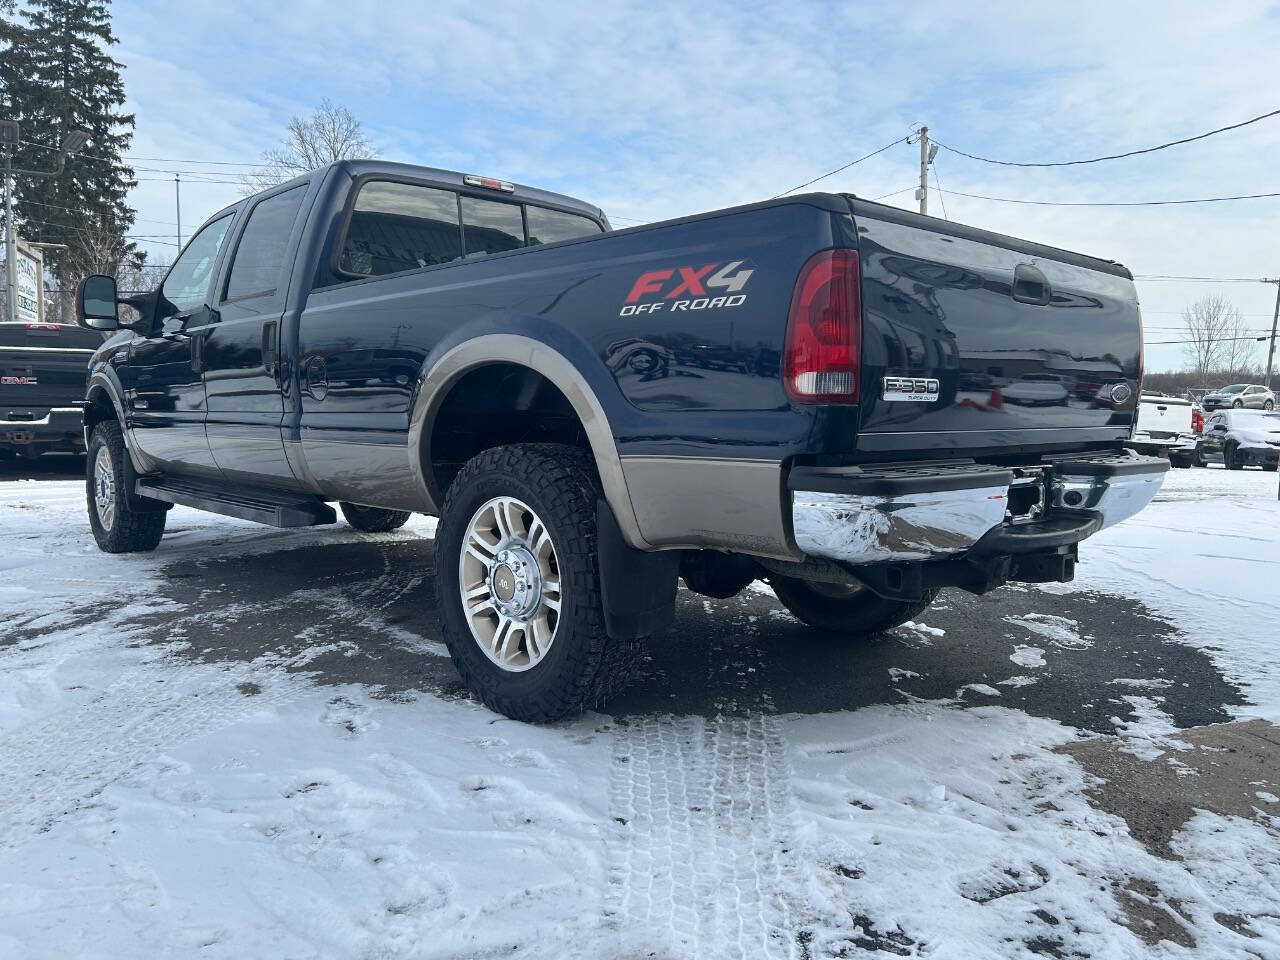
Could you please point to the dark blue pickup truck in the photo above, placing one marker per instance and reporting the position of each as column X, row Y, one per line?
column 854, row 403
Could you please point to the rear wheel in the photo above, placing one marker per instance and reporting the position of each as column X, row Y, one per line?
column 844, row 608
column 1181, row 461
column 373, row 519
column 1231, row 458
column 518, row 583
column 1269, row 405
column 122, row 521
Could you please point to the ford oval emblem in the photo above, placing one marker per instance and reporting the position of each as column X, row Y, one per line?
column 1121, row 392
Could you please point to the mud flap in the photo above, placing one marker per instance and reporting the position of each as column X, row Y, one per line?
column 638, row 588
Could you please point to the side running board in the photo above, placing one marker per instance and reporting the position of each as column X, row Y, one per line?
column 275, row 508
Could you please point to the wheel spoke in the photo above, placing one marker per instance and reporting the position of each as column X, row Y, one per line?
column 537, row 634
column 507, row 528
column 477, row 600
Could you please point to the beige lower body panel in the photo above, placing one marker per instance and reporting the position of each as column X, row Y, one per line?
column 700, row 502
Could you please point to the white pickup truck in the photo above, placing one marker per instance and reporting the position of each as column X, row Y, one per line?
column 1165, row 429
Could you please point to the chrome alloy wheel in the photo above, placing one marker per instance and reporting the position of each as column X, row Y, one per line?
column 509, row 579
column 104, row 488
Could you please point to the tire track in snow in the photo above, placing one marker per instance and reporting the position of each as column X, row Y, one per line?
column 702, row 853
column 54, row 767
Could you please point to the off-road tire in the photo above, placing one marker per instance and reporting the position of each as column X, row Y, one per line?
column 138, row 522
column 373, row 519
column 860, row 615
column 1229, row 459
column 583, row 666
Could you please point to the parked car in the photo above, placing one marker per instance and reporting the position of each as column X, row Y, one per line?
column 43, row 367
column 1166, row 428
column 1247, row 395
column 1241, row 438
column 574, row 491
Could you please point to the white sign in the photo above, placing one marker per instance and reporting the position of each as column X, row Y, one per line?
column 30, row 287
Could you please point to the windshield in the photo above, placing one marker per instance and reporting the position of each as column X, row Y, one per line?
column 1255, row 418
column 1234, row 388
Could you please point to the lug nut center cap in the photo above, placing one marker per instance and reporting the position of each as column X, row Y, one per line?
column 504, row 583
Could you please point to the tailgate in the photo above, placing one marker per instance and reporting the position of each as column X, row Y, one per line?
column 1030, row 346
column 1164, row 416
column 43, row 365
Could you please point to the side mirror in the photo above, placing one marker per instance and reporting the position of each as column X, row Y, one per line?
column 96, row 303
column 1220, row 426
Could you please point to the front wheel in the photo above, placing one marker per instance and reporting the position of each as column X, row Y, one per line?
column 518, row 583
column 845, row 608
column 1237, row 405
column 373, row 519
column 122, row 521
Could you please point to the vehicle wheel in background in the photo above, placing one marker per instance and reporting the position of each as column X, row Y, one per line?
column 1238, row 404
column 847, row 609
column 1229, row 459
column 518, row 583
column 373, row 519
column 122, row 521
column 1269, row 405
column 1181, row 462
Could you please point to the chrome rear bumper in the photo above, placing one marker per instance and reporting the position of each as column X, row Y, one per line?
column 873, row 514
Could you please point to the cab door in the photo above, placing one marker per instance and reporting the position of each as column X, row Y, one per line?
column 164, row 393
column 244, row 372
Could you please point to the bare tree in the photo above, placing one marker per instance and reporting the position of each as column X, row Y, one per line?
column 1218, row 337
column 331, row 133
column 99, row 248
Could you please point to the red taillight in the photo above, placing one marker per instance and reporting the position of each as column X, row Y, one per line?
column 824, row 331
column 1197, row 421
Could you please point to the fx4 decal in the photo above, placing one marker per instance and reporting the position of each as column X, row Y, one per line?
column 708, row 287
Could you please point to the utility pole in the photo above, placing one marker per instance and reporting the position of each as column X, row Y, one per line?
column 10, row 137
column 177, row 205
column 10, row 240
column 922, row 194
column 1271, row 350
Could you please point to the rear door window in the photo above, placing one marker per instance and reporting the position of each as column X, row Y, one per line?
column 400, row 226
column 258, row 266
column 490, row 226
column 549, row 226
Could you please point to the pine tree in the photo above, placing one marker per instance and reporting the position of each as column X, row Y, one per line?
column 57, row 76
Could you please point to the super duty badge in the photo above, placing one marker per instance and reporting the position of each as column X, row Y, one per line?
column 911, row 389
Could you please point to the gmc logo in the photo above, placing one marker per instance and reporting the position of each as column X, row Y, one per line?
column 18, row 381
column 706, row 287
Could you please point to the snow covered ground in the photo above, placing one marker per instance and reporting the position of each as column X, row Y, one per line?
column 163, row 797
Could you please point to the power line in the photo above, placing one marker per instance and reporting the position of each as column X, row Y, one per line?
column 1110, row 203
column 1167, row 276
column 1114, row 156
column 845, row 167
column 892, row 194
column 1170, row 343
column 938, row 186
